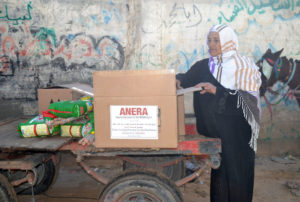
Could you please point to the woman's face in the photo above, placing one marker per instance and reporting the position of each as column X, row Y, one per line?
column 214, row 45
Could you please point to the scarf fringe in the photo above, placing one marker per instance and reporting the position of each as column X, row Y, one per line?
column 251, row 121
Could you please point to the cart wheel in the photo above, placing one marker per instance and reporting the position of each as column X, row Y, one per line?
column 46, row 173
column 140, row 185
column 7, row 192
column 175, row 171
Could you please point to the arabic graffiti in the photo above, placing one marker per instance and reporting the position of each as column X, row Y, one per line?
column 5, row 15
column 172, row 57
column 259, row 7
column 180, row 15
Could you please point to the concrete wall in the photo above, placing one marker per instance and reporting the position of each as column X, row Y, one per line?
column 48, row 42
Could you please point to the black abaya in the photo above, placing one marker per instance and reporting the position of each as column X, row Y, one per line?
column 218, row 116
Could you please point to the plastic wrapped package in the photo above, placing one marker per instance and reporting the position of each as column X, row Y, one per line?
column 37, row 127
column 76, row 129
column 66, row 109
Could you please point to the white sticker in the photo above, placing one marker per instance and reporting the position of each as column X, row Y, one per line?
column 133, row 122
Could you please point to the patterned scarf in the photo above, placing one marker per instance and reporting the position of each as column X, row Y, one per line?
column 237, row 72
column 231, row 69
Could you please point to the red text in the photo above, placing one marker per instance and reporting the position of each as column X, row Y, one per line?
column 133, row 111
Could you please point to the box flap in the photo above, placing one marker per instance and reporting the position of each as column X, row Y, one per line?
column 133, row 83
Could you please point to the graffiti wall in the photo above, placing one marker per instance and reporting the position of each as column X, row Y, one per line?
column 48, row 42
column 44, row 43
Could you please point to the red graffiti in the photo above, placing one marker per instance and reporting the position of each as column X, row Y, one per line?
column 59, row 50
column 26, row 28
column 8, row 40
column 24, row 52
column 89, row 45
column 102, row 46
column 69, row 52
column 75, row 47
column 2, row 29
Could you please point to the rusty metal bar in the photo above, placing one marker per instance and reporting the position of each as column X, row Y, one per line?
column 28, row 178
column 172, row 162
column 55, row 158
column 132, row 161
column 26, row 162
column 92, row 173
column 192, row 176
column 142, row 164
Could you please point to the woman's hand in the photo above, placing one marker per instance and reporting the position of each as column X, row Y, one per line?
column 178, row 84
column 207, row 88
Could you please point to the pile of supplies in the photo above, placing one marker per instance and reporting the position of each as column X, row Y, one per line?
column 64, row 118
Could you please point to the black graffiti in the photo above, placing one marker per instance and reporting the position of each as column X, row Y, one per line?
column 7, row 67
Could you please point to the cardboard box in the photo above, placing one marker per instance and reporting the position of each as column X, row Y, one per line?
column 135, row 109
column 138, row 83
column 180, row 115
column 60, row 93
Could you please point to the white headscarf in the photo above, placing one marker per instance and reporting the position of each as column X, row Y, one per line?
column 231, row 69
column 238, row 72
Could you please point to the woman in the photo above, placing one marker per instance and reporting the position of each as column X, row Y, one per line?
column 227, row 108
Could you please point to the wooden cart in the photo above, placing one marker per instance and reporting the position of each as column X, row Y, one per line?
column 30, row 165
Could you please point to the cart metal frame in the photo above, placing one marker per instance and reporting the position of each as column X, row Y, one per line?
column 25, row 154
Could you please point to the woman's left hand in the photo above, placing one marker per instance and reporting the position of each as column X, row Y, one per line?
column 207, row 88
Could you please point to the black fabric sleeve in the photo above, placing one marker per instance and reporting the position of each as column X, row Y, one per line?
column 189, row 78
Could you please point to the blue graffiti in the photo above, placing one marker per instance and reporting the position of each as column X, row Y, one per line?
column 202, row 51
column 95, row 20
column 257, row 52
column 273, row 49
column 84, row 23
column 110, row 50
column 280, row 17
column 107, row 16
column 188, row 61
column 282, row 97
column 221, row 2
column 169, row 47
column 117, row 14
column 71, row 37
column 98, row 51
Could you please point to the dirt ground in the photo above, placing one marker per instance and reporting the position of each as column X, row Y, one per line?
column 277, row 179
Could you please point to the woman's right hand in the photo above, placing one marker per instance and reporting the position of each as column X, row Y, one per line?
column 178, row 84
column 207, row 88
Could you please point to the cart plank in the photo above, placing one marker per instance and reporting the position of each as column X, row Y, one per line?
column 11, row 140
column 188, row 145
